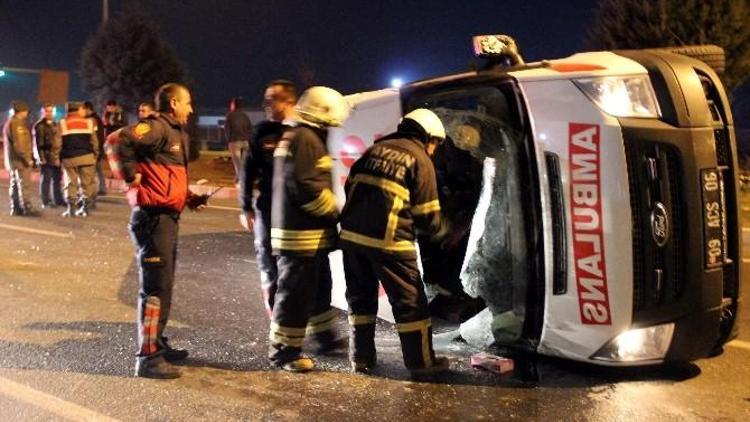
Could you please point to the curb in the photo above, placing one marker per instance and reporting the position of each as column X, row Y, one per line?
column 225, row 192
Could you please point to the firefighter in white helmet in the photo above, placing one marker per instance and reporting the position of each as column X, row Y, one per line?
column 391, row 196
column 303, row 231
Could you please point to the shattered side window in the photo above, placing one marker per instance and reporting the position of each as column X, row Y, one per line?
column 495, row 264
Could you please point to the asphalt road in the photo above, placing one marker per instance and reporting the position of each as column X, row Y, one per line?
column 67, row 344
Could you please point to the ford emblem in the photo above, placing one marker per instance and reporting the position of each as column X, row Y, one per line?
column 660, row 224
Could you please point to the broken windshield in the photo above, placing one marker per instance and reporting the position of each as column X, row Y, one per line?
column 480, row 183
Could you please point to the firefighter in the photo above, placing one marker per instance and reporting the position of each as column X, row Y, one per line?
column 19, row 159
column 303, row 231
column 279, row 102
column 391, row 196
column 79, row 148
column 152, row 158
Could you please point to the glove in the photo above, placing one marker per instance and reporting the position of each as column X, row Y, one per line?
column 195, row 201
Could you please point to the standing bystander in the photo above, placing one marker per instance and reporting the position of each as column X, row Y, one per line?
column 237, row 129
column 78, row 148
column 101, row 180
column 279, row 101
column 19, row 159
column 45, row 132
column 151, row 156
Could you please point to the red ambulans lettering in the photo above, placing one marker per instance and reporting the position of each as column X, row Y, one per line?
column 588, row 246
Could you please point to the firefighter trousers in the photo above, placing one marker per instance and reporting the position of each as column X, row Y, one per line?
column 154, row 235
column 403, row 285
column 302, row 306
column 265, row 260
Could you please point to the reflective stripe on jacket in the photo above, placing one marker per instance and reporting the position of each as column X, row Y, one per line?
column 391, row 193
column 304, row 212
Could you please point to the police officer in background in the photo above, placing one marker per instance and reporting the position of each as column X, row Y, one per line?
column 152, row 158
column 391, row 196
column 19, row 159
column 78, row 149
column 279, row 101
column 45, row 132
column 303, row 231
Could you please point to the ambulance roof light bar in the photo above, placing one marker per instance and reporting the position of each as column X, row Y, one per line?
column 499, row 50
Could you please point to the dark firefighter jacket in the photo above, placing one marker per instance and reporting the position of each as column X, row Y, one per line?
column 303, row 213
column 391, row 194
column 258, row 166
column 155, row 147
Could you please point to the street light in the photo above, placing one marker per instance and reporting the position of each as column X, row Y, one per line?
column 396, row 82
column 2, row 73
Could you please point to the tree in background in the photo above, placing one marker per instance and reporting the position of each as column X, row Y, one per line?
column 625, row 24
column 127, row 60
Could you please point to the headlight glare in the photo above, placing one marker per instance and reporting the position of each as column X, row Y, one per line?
column 638, row 344
column 622, row 96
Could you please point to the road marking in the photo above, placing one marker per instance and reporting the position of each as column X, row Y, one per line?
column 36, row 231
column 739, row 344
column 50, row 403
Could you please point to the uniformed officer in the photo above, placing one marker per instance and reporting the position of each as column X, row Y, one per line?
column 303, row 231
column 78, row 149
column 152, row 157
column 19, row 159
column 279, row 102
column 391, row 196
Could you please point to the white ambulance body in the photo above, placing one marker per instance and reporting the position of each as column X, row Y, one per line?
column 624, row 219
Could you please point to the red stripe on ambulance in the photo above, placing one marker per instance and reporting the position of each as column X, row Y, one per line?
column 586, row 206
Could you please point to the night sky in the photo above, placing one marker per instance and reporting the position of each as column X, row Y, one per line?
column 234, row 47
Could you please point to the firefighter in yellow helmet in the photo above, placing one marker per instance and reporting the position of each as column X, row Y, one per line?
column 391, row 196
column 303, row 231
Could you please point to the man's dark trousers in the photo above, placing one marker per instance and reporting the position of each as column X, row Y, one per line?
column 154, row 233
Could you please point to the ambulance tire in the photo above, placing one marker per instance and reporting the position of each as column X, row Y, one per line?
column 712, row 55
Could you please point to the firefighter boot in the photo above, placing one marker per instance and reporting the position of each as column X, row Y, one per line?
column 170, row 353
column 328, row 344
column 362, row 354
column 439, row 364
column 155, row 367
column 68, row 211
column 301, row 364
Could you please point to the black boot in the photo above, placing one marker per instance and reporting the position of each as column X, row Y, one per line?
column 83, row 211
column 68, row 211
column 170, row 353
column 155, row 367
column 29, row 210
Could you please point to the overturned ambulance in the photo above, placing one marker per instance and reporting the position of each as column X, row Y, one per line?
column 604, row 225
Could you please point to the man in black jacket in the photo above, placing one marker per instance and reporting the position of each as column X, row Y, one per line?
column 303, row 231
column 279, row 101
column 45, row 131
column 391, row 196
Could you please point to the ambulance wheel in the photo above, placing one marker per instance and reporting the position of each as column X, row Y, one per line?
column 712, row 55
